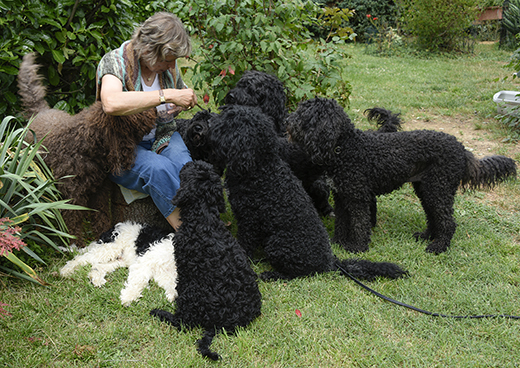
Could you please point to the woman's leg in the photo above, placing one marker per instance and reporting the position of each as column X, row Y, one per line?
column 158, row 175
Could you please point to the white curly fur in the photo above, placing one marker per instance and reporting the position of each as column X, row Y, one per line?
column 157, row 263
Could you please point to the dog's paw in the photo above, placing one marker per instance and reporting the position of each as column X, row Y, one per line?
column 394, row 271
column 164, row 316
column 171, row 296
column 272, row 276
column 355, row 248
column 437, row 247
column 96, row 278
column 421, row 236
column 211, row 355
column 127, row 297
column 67, row 270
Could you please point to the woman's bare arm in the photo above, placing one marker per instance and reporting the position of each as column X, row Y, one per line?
column 115, row 101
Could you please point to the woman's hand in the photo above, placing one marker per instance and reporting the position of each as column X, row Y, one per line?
column 185, row 98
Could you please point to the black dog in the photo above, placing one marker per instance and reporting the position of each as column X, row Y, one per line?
column 272, row 210
column 364, row 165
column 216, row 286
column 267, row 92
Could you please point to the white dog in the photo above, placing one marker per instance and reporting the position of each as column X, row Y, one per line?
column 148, row 252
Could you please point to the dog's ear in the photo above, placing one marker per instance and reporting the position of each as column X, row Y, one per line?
column 316, row 126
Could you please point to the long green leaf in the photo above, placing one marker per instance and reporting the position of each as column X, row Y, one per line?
column 28, row 270
column 18, row 274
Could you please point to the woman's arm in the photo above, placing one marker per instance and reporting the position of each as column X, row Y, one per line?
column 115, row 101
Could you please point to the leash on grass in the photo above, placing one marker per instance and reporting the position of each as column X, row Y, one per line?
column 344, row 272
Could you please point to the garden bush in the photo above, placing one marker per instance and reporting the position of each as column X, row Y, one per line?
column 511, row 24
column 70, row 37
column 239, row 35
column 385, row 11
column 439, row 25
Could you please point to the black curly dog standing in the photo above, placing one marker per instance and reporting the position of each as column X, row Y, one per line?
column 272, row 210
column 216, row 286
column 363, row 166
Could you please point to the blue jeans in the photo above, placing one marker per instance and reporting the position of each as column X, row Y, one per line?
column 157, row 175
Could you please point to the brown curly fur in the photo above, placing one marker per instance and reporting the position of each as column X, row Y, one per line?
column 88, row 145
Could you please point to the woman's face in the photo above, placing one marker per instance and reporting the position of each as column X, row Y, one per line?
column 164, row 65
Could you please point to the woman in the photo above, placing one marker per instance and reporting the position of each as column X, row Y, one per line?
column 142, row 74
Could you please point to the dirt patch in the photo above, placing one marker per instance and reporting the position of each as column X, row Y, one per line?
column 470, row 131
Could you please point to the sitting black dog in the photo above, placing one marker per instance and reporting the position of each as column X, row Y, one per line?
column 216, row 286
column 364, row 165
column 267, row 92
column 273, row 212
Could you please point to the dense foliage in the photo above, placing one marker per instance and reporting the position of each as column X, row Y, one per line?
column 385, row 11
column 439, row 25
column 71, row 36
column 271, row 36
column 511, row 23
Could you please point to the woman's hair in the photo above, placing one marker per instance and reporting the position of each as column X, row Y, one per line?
column 161, row 35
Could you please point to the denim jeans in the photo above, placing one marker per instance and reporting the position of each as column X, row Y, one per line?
column 157, row 175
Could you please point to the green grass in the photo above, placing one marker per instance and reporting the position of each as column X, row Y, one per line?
column 462, row 84
column 74, row 324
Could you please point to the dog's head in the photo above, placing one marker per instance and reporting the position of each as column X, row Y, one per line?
column 195, row 135
column 264, row 91
column 241, row 138
column 316, row 126
column 200, row 189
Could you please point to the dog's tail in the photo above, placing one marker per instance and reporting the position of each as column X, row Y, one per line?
column 488, row 171
column 30, row 87
column 387, row 121
column 204, row 344
column 368, row 270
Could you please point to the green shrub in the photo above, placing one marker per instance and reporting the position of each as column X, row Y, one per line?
column 239, row 35
column 30, row 204
column 71, row 36
column 384, row 10
column 439, row 25
column 511, row 24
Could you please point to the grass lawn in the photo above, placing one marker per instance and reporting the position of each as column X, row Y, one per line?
column 74, row 324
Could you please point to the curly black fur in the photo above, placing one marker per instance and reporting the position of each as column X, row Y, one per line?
column 387, row 121
column 259, row 89
column 217, row 287
column 272, row 210
column 267, row 92
column 87, row 146
column 363, row 166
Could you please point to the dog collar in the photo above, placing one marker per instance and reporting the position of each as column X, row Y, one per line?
column 337, row 150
